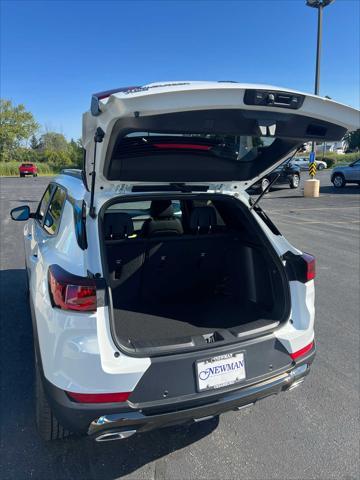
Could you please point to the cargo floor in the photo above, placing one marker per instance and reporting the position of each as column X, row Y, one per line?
column 168, row 321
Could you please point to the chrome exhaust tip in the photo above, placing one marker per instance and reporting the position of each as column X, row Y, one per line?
column 203, row 419
column 295, row 384
column 297, row 376
column 110, row 436
column 243, row 407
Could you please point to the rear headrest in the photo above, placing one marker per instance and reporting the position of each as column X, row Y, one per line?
column 161, row 209
column 118, row 225
column 202, row 219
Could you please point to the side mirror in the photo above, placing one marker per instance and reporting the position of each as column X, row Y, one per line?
column 20, row 214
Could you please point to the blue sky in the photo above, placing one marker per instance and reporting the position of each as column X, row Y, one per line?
column 54, row 54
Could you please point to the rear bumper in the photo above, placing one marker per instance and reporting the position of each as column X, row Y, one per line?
column 103, row 421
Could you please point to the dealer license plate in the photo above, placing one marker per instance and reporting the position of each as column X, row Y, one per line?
column 217, row 372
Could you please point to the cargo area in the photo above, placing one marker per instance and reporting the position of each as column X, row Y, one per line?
column 188, row 271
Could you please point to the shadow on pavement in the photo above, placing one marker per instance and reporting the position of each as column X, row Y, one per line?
column 24, row 455
column 347, row 190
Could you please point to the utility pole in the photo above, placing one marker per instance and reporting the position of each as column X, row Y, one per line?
column 320, row 5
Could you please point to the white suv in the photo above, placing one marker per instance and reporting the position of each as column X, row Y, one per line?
column 160, row 292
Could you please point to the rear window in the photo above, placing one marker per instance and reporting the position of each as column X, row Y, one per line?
column 233, row 147
column 192, row 157
column 27, row 164
column 215, row 145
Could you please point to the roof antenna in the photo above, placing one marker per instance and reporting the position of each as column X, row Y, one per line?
column 98, row 138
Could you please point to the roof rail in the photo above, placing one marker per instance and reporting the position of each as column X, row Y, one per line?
column 73, row 172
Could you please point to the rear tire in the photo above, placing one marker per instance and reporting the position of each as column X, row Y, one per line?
column 47, row 425
column 295, row 181
column 321, row 166
column 338, row 180
column 22, row 175
column 35, row 175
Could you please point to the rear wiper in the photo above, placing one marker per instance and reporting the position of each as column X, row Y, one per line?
column 254, row 203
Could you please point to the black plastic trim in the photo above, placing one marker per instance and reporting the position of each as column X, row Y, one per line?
column 77, row 417
column 296, row 267
column 274, row 98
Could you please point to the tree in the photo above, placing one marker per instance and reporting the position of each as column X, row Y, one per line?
column 352, row 141
column 76, row 152
column 58, row 159
column 16, row 126
column 34, row 143
column 53, row 141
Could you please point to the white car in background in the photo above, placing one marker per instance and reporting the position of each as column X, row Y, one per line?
column 160, row 292
column 303, row 163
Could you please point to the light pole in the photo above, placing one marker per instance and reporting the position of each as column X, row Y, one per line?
column 320, row 5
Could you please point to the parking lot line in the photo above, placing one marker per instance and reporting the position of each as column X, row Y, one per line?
column 325, row 223
column 319, row 208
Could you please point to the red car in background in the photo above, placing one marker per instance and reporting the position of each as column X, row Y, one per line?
column 28, row 169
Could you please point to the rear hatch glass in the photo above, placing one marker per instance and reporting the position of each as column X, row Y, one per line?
column 206, row 146
column 193, row 157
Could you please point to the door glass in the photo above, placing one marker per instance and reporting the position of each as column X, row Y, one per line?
column 53, row 214
column 45, row 202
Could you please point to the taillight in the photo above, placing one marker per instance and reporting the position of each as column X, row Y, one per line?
column 302, row 352
column 310, row 266
column 99, row 397
column 300, row 267
column 71, row 292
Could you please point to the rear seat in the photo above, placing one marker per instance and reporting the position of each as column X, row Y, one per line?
column 162, row 222
column 209, row 249
column 166, row 268
column 190, row 264
column 125, row 257
column 166, row 254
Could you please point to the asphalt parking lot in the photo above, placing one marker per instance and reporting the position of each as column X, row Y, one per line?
column 309, row 433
